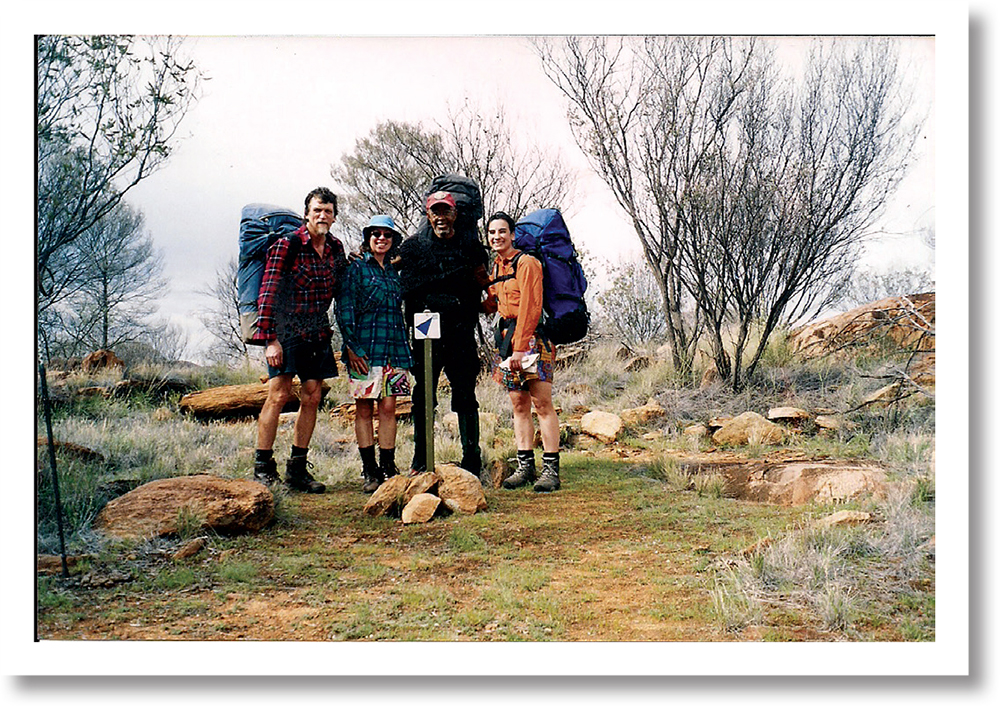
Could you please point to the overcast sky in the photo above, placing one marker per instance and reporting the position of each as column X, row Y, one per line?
column 277, row 112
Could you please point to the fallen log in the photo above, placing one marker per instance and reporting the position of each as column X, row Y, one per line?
column 235, row 401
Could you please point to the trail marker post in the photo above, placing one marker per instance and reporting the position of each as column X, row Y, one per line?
column 427, row 327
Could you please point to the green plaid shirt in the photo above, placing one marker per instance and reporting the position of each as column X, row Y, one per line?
column 370, row 316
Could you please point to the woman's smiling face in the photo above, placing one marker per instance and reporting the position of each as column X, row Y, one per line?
column 380, row 240
column 498, row 235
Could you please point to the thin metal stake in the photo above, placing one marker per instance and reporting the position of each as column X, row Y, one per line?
column 52, row 462
column 429, row 392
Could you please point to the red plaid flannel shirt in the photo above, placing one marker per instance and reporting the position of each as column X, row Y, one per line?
column 313, row 281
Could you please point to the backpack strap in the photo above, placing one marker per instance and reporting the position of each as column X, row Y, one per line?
column 294, row 244
column 504, row 278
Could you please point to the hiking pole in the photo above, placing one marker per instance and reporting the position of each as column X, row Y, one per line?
column 52, row 462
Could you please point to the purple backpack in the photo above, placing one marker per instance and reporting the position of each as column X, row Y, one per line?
column 543, row 234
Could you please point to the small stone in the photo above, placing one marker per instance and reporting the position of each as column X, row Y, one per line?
column 386, row 500
column 718, row 422
column 884, row 395
column 189, row 549
column 748, row 428
column 225, row 505
column 51, row 564
column 420, row 508
column 757, row 546
column 793, row 415
column 636, row 364
column 643, row 415
column 603, row 426
column 420, row 484
column 844, row 517
column 163, row 414
column 459, row 490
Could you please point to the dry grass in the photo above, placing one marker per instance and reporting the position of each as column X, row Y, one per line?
column 805, row 584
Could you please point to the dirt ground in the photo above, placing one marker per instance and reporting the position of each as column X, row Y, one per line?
column 613, row 556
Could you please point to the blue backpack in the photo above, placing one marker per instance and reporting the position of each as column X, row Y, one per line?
column 543, row 235
column 260, row 226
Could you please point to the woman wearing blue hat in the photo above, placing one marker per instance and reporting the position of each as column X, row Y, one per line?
column 376, row 349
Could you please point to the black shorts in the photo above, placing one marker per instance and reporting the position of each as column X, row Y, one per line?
column 310, row 360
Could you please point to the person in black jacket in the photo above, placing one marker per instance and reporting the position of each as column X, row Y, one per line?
column 445, row 272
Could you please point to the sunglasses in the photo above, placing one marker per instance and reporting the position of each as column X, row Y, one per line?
column 386, row 234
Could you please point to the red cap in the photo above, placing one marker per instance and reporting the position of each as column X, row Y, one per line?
column 440, row 197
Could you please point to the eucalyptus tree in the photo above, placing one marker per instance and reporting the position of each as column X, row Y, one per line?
column 108, row 109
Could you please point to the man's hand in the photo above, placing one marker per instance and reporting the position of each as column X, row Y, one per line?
column 273, row 354
column 357, row 363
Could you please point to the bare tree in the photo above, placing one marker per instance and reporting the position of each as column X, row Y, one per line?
column 222, row 317
column 161, row 342
column 114, row 293
column 390, row 169
column 868, row 286
column 619, row 118
column 631, row 303
column 108, row 109
column 514, row 175
column 749, row 193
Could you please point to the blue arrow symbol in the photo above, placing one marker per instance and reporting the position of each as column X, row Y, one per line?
column 424, row 327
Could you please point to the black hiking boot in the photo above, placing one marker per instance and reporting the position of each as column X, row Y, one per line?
column 266, row 472
column 370, row 472
column 387, row 462
column 549, row 480
column 525, row 472
column 297, row 477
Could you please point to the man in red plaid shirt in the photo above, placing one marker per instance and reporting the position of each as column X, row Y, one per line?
column 301, row 278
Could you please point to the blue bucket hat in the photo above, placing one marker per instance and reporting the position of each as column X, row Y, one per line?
column 380, row 221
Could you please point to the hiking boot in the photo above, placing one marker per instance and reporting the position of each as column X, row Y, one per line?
column 297, row 477
column 525, row 472
column 370, row 472
column 370, row 483
column 549, row 480
column 387, row 462
column 266, row 472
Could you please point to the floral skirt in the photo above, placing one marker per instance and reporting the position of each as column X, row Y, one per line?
column 381, row 381
column 543, row 369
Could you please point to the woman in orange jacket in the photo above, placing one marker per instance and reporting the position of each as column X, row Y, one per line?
column 525, row 357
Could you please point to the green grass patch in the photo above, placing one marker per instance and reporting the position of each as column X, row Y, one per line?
column 237, row 572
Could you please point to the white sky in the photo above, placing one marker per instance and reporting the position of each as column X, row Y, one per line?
column 232, row 157
column 277, row 112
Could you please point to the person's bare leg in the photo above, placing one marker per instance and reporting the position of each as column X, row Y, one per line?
column 524, row 428
column 364, row 430
column 548, row 420
column 310, row 395
column 387, row 422
column 279, row 391
column 387, row 436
